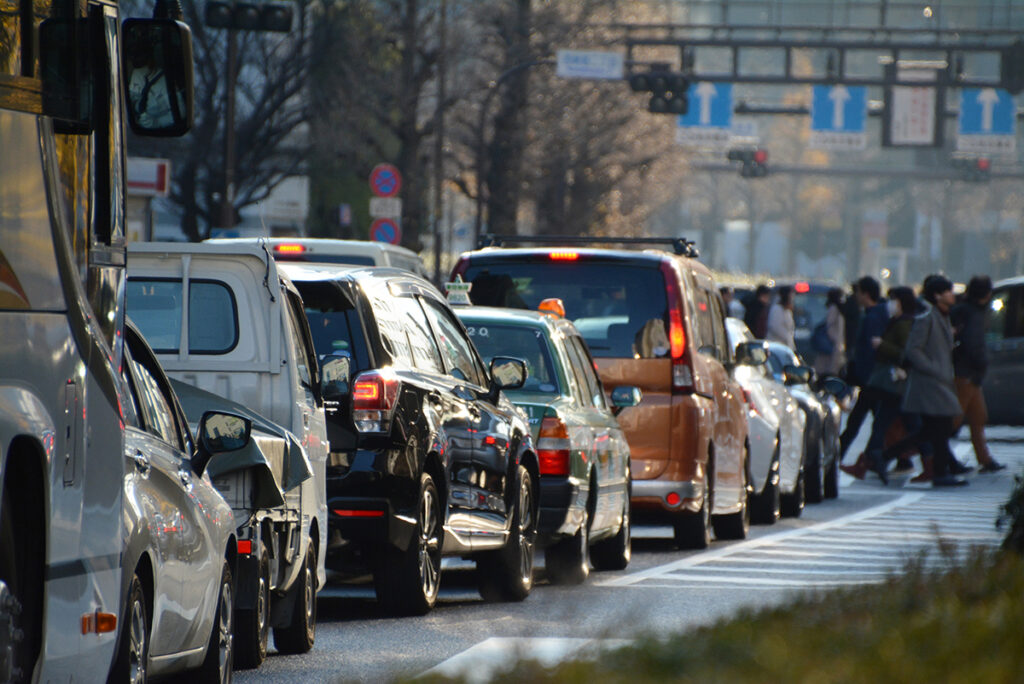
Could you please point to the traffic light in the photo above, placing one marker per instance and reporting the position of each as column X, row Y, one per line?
column 755, row 161
column 973, row 169
column 245, row 16
column 668, row 90
column 1011, row 68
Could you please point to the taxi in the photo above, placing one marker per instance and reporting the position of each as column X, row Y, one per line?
column 583, row 454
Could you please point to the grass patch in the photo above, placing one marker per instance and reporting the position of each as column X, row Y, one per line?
column 965, row 624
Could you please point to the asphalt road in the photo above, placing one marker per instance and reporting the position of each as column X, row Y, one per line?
column 860, row 538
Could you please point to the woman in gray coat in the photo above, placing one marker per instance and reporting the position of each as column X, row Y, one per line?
column 930, row 390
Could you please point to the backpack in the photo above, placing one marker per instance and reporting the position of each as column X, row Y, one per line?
column 820, row 341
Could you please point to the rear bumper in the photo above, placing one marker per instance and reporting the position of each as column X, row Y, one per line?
column 360, row 528
column 654, row 495
column 562, row 506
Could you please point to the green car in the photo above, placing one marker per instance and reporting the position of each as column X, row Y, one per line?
column 584, row 457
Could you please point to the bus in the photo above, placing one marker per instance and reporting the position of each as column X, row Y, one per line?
column 72, row 77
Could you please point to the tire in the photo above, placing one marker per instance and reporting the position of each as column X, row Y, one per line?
column 793, row 503
column 252, row 626
column 615, row 553
column 735, row 525
column 507, row 574
column 220, row 652
column 832, row 477
column 814, row 474
column 568, row 561
column 133, row 648
column 693, row 530
column 408, row 581
column 766, row 506
column 300, row 634
column 21, row 570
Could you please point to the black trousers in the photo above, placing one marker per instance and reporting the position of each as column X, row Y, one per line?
column 936, row 431
column 866, row 401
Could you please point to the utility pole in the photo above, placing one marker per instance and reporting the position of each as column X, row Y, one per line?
column 439, row 140
column 227, row 203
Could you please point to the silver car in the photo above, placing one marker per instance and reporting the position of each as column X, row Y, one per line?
column 179, row 545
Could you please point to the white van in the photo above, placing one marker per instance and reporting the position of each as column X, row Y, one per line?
column 331, row 251
column 222, row 318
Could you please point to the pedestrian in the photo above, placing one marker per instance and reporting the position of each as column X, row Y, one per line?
column 733, row 306
column 931, row 390
column 970, row 361
column 781, row 326
column 872, row 325
column 851, row 323
column 888, row 380
column 756, row 316
column 835, row 329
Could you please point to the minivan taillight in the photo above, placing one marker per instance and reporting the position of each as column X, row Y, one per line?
column 553, row 447
column 374, row 394
column 682, row 368
column 461, row 266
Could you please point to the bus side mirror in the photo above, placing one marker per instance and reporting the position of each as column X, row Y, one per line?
column 158, row 76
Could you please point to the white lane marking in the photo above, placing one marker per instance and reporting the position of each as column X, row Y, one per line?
column 770, row 540
column 480, row 662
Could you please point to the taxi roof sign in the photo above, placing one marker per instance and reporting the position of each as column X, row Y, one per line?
column 552, row 306
column 458, row 292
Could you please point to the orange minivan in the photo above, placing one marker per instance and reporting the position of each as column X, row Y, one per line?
column 652, row 319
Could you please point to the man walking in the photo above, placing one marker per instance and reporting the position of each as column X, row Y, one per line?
column 781, row 327
column 872, row 325
column 756, row 316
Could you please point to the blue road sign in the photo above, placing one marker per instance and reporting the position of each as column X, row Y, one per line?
column 710, row 105
column 839, row 108
column 386, row 230
column 987, row 111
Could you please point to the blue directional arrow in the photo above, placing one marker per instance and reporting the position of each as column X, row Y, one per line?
column 710, row 105
column 839, row 108
column 987, row 111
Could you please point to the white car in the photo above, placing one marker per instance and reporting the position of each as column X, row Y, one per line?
column 776, row 431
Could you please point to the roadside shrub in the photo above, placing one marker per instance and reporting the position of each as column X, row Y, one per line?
column 1012, row 513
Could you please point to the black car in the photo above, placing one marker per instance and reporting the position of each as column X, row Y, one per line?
column 428, row 458
column 817, row 398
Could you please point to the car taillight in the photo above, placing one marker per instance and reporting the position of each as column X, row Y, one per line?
column 461, row 266
column 682, row 369
column 563, row 255
column 553, row 447
column 289, row 249
column 374, row 394
column 749, row 398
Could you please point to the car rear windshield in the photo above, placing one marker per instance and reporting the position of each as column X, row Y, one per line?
column 321, row 258
column 155, row 307
column 620, row 309
column 333, row 321
column 528, row 344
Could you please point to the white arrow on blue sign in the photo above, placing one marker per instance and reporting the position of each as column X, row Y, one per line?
column 987, row 111
column 710, row 105
column 839, row 108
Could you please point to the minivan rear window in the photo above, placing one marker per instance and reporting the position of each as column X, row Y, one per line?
column 620, row 309
column 321, row 258
column 155, row 307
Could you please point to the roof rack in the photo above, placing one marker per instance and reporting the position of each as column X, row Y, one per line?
column 680, row 245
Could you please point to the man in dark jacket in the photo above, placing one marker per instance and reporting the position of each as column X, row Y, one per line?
column 872, row 325
column 756, row 316
column 970, row 361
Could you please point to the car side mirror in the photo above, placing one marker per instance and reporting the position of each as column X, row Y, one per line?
column 797, row 375
column 219, row 433
column 335, row 370
column 834, row 386
column 508, row 372
column 753, row 353
column 624, row 397
column 158, row 76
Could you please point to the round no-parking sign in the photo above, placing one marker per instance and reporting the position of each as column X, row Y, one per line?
column 385, row 180
column 386, row 230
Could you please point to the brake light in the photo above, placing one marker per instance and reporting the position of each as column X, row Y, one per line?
column 802, row 288
column 461, row 266
column 563, row 255
column 289, row 249
column 749, row 398
column 350, row 513
column 374, row 394
column 682, row 370
column 553, row 447
column 245, row 546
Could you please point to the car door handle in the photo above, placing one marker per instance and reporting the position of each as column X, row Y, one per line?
column 185, row 477
column 141, row 462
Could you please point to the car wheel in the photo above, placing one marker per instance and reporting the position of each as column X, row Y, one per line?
column 814, row 475
column 21, row 603
column 793, row 502
column 220, row 651
column 615, row 553
column 507, row 574
column 767, row 505
column 735, row 525
column 408, row 581
column 693, row 530
column 252, row 626
column 133, row 649
column 832, row 476
column 300, row 634
column 568, row 561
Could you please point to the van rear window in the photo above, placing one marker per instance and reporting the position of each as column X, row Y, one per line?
column 620, row 309
column 155, row 307
column 321, row 258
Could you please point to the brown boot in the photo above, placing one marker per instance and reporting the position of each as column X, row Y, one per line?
column 925, row 476
column 858, row 469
